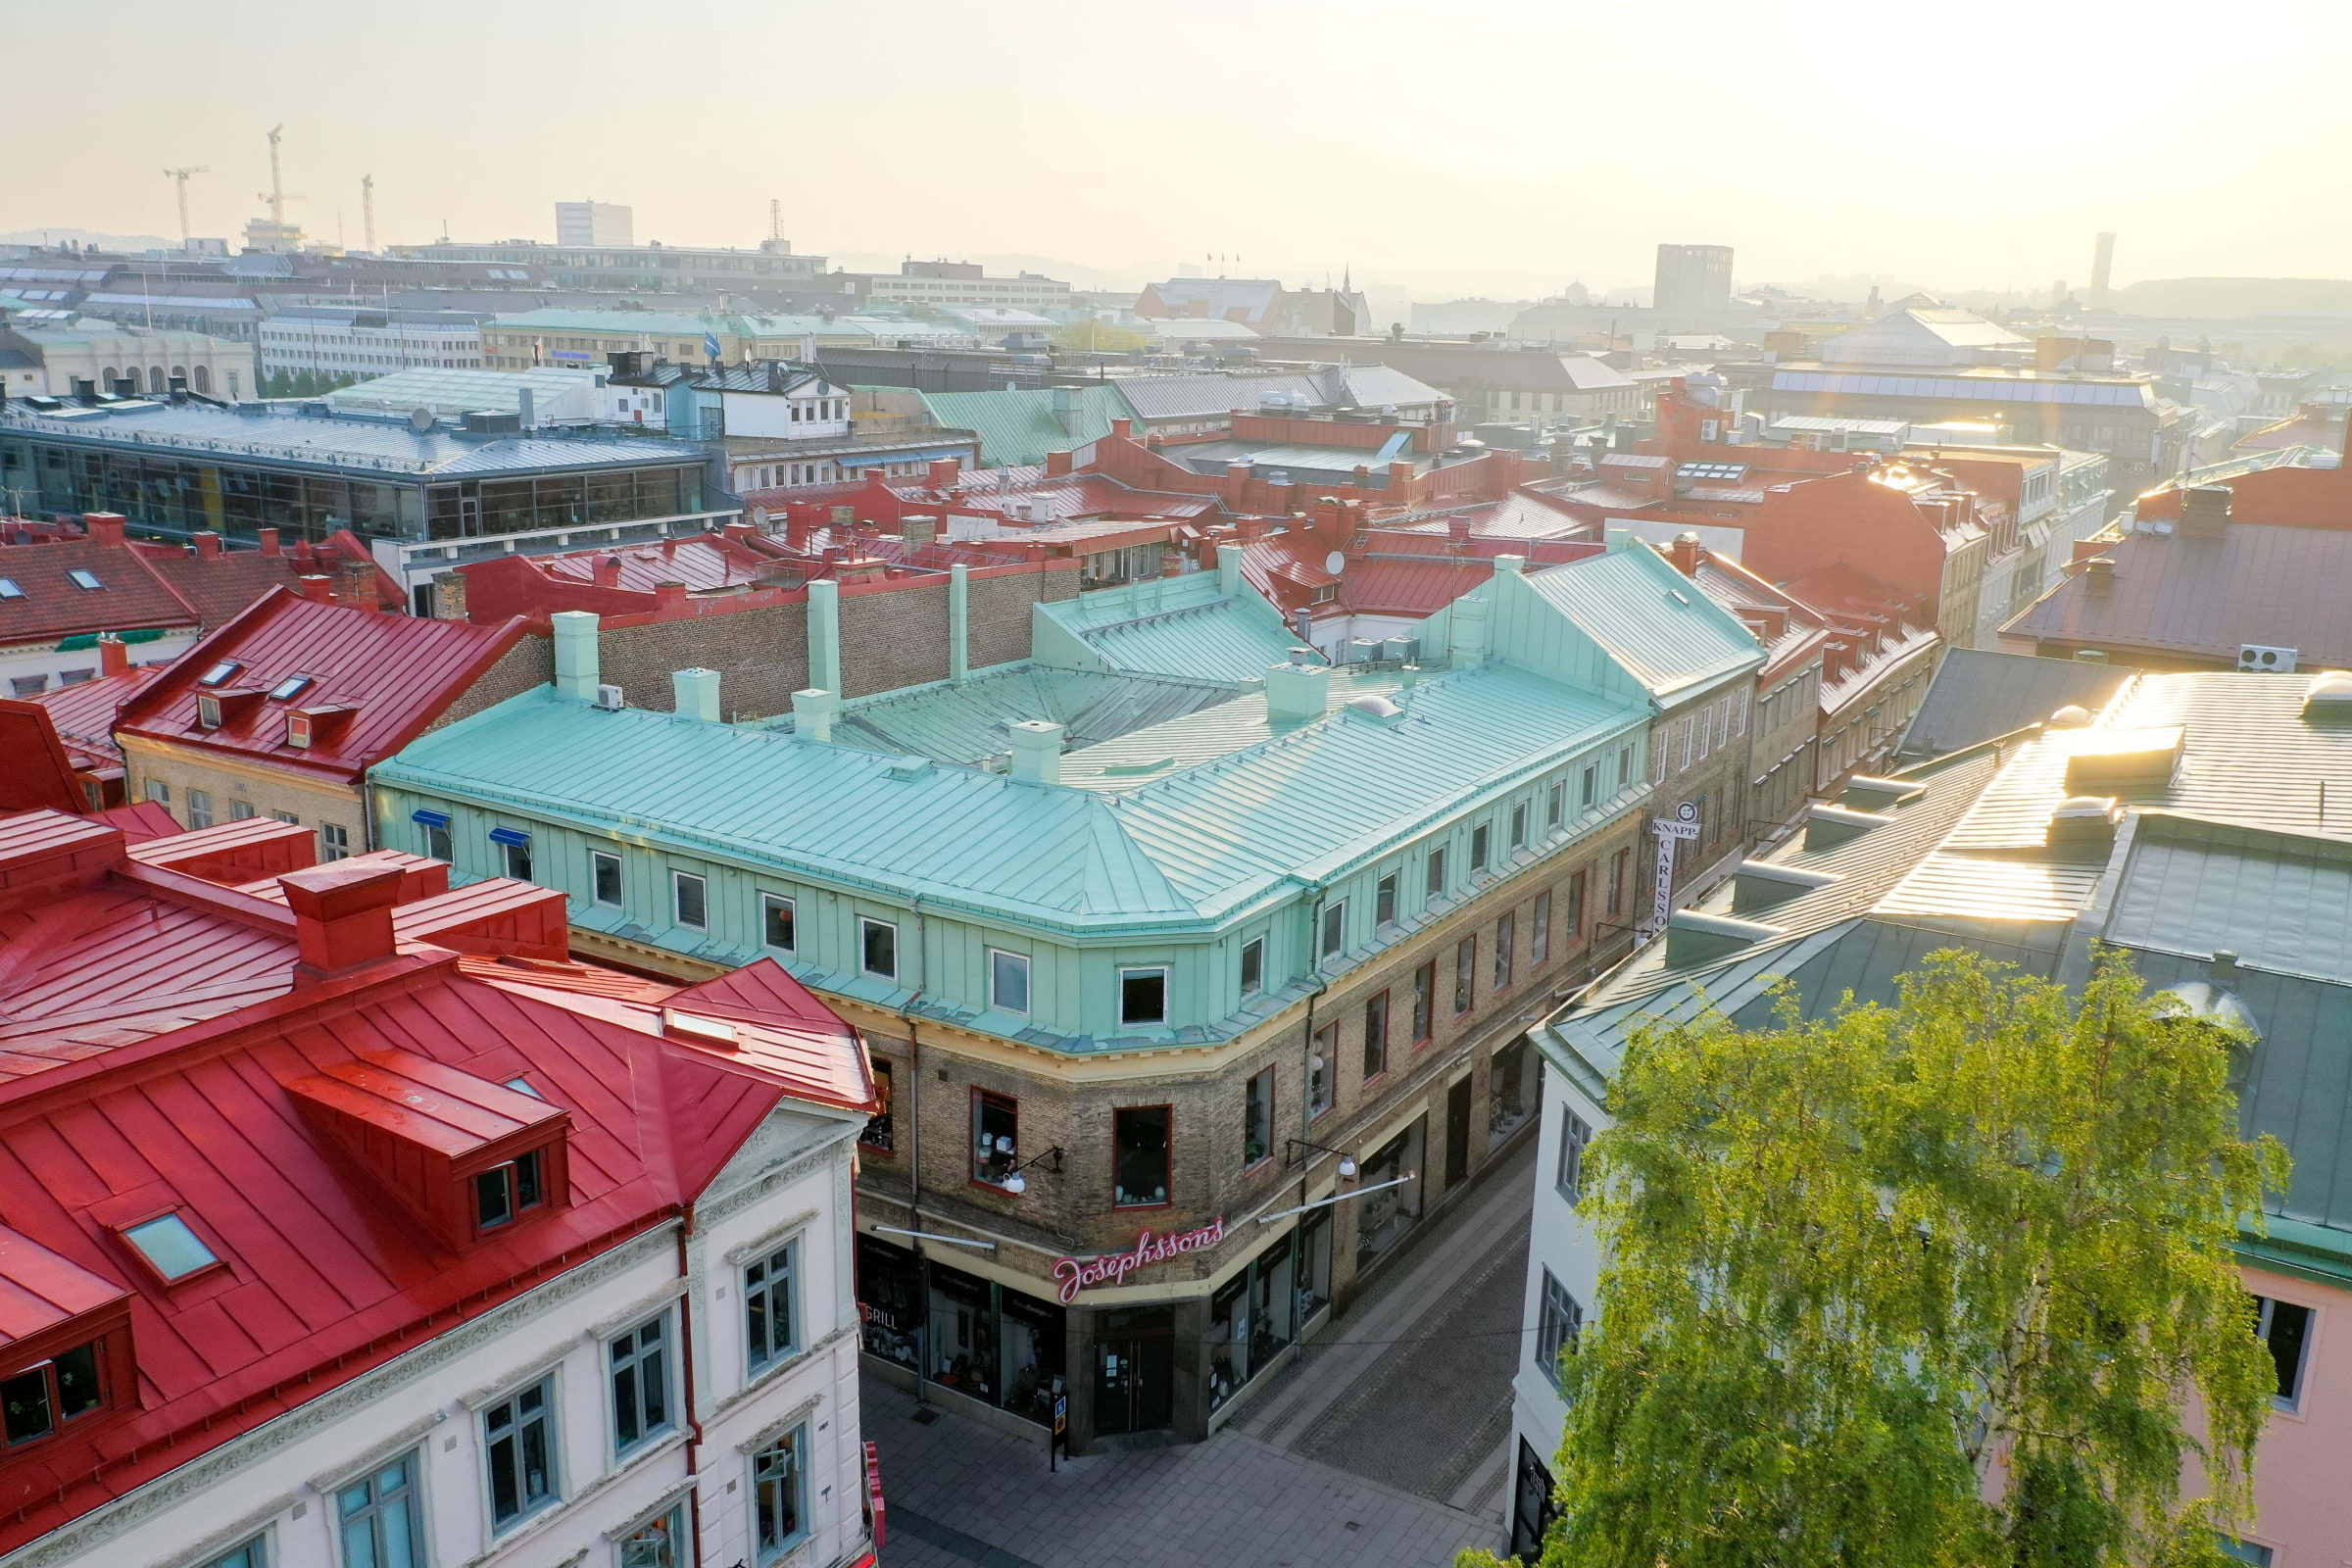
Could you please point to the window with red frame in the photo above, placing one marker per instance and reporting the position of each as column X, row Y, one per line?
column 37, row 1400
column 1465, row 974
column 1576, row 908
column 1617, row 865
column 505, row 1193
column 1257, row 1118
column 1140, row 1146
column 1376, row 1037
column 1322, row 1066
column 1506, row 949
column 1425, row 1001
column 996, row 1136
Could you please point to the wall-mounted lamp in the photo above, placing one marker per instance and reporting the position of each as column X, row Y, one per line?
column 1016, row 1184
column 1295, row 1150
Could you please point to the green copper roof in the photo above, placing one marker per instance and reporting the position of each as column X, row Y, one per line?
column 1651, row 619
column 1018, row 429
column 1186, row 625
column 967, row 724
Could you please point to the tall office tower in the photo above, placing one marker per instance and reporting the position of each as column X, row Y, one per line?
column 2102, row 266
column 1695, row 281
column 592, row 224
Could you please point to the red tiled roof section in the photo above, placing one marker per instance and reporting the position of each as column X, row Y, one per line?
column 395, row 673
column 51, row 605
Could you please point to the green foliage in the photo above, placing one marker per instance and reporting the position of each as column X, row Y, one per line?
column 1098, row 338
column 1919, row 1285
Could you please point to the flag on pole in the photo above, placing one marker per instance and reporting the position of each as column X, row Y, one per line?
column 711, row 346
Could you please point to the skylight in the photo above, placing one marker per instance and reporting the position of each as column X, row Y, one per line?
column 9, row 589
column 287, row 689
column 170, row 1247
column 1710, row 471
column 218, row 673
column 80, row 578
column 522, row 1086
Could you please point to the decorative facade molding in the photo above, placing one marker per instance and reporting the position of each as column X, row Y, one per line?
column 520, row 1378
column 776, row 1372
column 767, row 1240
column 726, row 1206
column 110, row 1520
column 637, row 1312
column 329, row 1481
column 223, row 1541
column 570, row 1508
column 784, row 1423
column 669, row 1500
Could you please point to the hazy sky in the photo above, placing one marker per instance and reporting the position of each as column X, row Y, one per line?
column 1509, row 143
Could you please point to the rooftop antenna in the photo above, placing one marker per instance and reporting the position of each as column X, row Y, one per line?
column 367, row 210
column 181, row 176
column 776, row 218
column 277, row 195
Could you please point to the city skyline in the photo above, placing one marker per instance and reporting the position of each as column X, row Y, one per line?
column 1442, row 170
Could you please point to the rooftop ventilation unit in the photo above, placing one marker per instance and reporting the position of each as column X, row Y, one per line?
column 607, row 698
column 2266, row 661
column 2330, row 698
column 1761, row 884
column 2085, row 823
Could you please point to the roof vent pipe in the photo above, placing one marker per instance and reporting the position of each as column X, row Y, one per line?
column 695, row 694
column 1298, row 691
column 575, row 653
column 1036, row 751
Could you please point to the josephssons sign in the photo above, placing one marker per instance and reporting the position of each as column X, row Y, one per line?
column 1075, row 1274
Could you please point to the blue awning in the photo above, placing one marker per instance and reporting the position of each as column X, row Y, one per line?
column 430, row 818
column 509, row 835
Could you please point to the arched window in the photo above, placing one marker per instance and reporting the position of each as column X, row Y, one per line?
column 204, row 379
column 155, row 378
column 180, row 370
column 108, row 379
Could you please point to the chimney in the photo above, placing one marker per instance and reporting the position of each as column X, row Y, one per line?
column 1300, row 690
column 103, row 527
column 1229, row 570
column 1687, row 554
column 960, row 624
column 577, row 673
column 942, row 473
column 1468, row 642
column 114, row 655
column 918, row 529
column 2204, row 512
column 1124, row 429
column 814, row 713
column 318, row 589
column 607, row 571
column 2099, row 575
column 669, row 593
column 1065, row 410
column 342, row 916
column 208, row 545
column 1510, row 566
column 358, row 584
column 1036, row 751
column 694, row 694
column 740, row 530
column 1400, row 477
column 824, row 635
column 1057, row 463
column 526, row 415
column 268, row 542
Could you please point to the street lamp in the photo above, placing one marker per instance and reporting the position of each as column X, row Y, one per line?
column 1016, row 1184
column 1295, row 1150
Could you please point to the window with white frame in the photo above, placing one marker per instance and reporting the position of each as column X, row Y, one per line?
column 518, row 1448
column 2284, row 1329
column 604, row 878
column 778, row 923
column 689, row 900
column 334, row 843
column 779, row 1500
column 1254, row 966
column 659, row 1543
column 1558, row 1320
column 1143, row 994
column 1383, row 900
column 878, row 949
column 255, row 1553
column 376, row 1518
column 771, row 1306
column 1335, row 930
column 637, row 1365
column 1008, row 981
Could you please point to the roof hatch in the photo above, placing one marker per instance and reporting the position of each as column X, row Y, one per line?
column 1827, row 826
column 1761, row 884
column 1695, row 938
column 2123, row 762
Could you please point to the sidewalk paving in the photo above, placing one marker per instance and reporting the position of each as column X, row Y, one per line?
column 963, row 1493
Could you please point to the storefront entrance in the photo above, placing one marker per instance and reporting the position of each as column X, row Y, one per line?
column 1135, row 1370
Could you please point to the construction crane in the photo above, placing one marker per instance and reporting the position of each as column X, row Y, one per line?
column 367, row 210
column 277, row 195
column 181, row 176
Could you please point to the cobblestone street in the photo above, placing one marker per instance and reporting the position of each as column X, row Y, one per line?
column 1382, row 1448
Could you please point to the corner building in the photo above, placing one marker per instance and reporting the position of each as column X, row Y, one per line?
column 1194, row 971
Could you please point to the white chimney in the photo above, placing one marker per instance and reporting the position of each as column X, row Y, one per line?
column 1036, row 751
column 1300, row 690
column 575, row 653
column 812, row 714
column 695, row 694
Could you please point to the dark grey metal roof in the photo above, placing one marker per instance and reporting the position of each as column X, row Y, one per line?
column 1978, row 694
column 2258, row 583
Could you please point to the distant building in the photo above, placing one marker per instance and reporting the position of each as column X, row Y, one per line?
column 1694, row 284
column 945, row 283
column 1489, row 383
column 1261, row 304
column 591, row 224
column 653, row 269
column 590, row 338
column 350, row 341
column 67, row 354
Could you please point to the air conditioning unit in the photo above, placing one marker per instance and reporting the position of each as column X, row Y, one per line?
column 2266, row 661
column 607, row 698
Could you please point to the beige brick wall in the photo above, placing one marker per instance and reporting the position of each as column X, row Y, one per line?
column 268, row 791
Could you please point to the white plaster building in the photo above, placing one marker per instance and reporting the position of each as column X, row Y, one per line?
column 365, row 342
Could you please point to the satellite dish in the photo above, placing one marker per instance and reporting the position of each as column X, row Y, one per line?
column 420, row 421
column 1335, row 563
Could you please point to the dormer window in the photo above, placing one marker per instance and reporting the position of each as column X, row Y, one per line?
column 505, row 1190
column 298, row 730
column 68, row 1354
column 39, row 1399
column 208, row 710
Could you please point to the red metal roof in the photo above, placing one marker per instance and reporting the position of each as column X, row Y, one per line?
column 396, row 672
column 84, row 714
column 195, row 1106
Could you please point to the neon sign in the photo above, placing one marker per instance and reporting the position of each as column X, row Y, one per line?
column 1075, row 1274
